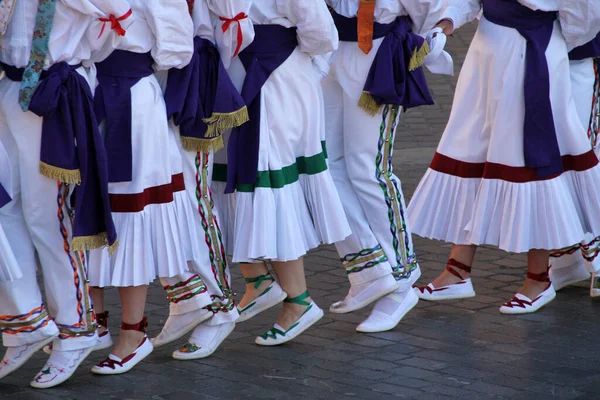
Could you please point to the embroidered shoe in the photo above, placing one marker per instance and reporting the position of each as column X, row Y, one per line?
column 104, row 340
column 278, row 335
column 567, row 276
column 15, row 357
column 380, row 321
column 178, row 325
column 459, row 290
column 114, row 365
column 270, row 297
column 366, row 293
column 213, row 336
column 60, row 367
column 521, row 304
column 595, row 286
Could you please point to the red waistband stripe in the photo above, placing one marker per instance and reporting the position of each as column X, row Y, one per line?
column 136, row 202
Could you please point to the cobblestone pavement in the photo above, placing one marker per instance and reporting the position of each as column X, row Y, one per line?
column 456, row 349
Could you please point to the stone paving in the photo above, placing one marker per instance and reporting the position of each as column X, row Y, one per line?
column 455, row 349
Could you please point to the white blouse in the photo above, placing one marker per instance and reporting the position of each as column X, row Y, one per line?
column 425, row 14
column 316, row 31
column 579, row 19
column 162, row 27
column 75, row 33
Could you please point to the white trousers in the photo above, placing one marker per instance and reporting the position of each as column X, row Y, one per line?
column 582, row 81
column 360, row 159
column 37, row 220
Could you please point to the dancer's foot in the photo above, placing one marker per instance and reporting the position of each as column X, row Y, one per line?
column 60, row 366
column 132, row 347
column 453, row 283
column 595, row 286
column 178, row 325
column 536, row 292
column 363, row 294
column 567, row 276
column 104, row 340
column 389, row 311
column 262, row 293
column 15, row 357
column 299, row 314
column 205, row 340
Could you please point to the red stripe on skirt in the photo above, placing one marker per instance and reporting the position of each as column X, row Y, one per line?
column 136, row 202
column 487, row 170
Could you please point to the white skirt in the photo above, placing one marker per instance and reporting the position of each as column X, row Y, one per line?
column 294, row 205
column 152, row 213
column 477, row 189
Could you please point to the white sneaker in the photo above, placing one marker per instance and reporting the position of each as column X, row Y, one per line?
column 381, row 320
column 521, row 304
column 15, row 357
column 271, row 296
column 277, row 335
column 595, row 286
column 114, row 365
column 60, row 366
column 364, row 294
column 178, row 325
column 205, row 340
column 567, row 276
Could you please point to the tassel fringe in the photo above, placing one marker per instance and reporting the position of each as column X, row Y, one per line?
column 202, row 145
column 68, row 176
column 220, row 122
column 368, row 103
column 418, row 57
column 83, row 243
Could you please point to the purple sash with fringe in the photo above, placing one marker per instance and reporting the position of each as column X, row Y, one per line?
column 396, row 76
column 272, row 46
column 540, row 144
column 202, row 100
column 112, row 103
column 72, row 145
column 589, row 50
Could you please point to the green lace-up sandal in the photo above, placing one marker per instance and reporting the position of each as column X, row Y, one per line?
column 270, row 297
column 277, row 335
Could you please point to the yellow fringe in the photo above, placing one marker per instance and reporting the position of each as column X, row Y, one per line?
column 82, row 243
column 418, row 57
column 367, row 103
column 68, row 176
column 202, row 145
column 112, row 248
column 220, row 122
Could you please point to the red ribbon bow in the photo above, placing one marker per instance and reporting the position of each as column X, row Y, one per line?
column 115, row 23
column 227, row 23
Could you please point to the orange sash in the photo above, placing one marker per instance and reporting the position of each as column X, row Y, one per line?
column 366, row 20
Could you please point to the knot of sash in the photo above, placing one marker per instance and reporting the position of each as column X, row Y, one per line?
column 72, row 150
column 540, row 144
column 112, row 103
column 202, row 100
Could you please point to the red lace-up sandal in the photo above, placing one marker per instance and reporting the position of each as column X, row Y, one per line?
column 114, row 365
column 459, row 290
column 521, row 304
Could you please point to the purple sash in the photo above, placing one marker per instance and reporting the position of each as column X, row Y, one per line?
column 589, row 50
column 112, row 103
column 540, row 144
column 4, row 197
column 71, row 143
column 202, row 100
column 396, row 76
column 272, row 46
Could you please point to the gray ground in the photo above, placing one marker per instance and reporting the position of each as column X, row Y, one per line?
column 456, row 349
